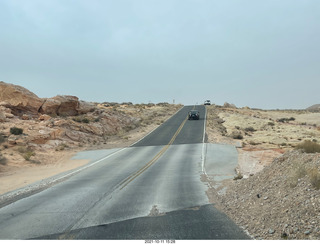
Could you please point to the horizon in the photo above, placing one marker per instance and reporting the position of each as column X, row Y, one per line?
column 124, row 102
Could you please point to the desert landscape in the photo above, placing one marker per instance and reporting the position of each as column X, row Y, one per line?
column 39, row 136
column 275, row 193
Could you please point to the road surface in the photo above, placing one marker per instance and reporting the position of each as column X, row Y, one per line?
column 151, row 190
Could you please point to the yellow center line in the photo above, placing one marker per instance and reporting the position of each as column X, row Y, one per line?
column 154, row 159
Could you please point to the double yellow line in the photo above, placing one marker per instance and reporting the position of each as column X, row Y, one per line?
column 124, row 183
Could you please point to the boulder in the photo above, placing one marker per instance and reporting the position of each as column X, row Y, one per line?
column 3, row 117
column 57, row 134
column 61, row 105
column 25, row 117
column 44, row 117
column 9, row 115
column 85, row 107
column 19, row 99
column 229, row 105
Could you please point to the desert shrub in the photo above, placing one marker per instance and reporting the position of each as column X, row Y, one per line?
column 81, row 120
column 314, row 176
column 299, row 171
column 270, row 123
column 309, row 146
column 249, row 129
column 2, row 138
column 85, row 120
column 3, row 160
column 283, row 120
column 16, row 131
column 236, row 135
column 27, row 155
column 35, row 161
column 77, row 119
column 239, row 176
column 61, row 147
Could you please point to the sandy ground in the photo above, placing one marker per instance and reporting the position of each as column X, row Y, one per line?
column 20, row 177
column 269, row 138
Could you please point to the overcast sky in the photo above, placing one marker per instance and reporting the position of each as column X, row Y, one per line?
column 263, row 54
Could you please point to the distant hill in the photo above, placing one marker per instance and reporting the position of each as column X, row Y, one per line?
column 314, row 108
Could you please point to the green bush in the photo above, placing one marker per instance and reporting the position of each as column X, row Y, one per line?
column 27, row 155
column 309, row 147
column 26, row 152
column 16, row 131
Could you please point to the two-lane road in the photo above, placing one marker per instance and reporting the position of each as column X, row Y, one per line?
column 151, row 190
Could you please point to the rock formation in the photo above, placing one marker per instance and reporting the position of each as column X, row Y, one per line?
column 60, row 105
column 19, row 100
column 314, row 108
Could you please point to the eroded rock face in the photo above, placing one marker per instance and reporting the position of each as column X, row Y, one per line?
column 61, row 105
column 19, row 99
column 85, row 107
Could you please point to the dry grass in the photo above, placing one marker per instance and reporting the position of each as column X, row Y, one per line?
column 26, row 153
column 3, row 160
column 298, row 172
column 314, row 176
column 309, row 147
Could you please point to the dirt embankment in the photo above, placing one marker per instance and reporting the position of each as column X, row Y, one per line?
column 276, row 194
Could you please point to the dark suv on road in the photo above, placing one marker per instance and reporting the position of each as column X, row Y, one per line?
column 194, row 114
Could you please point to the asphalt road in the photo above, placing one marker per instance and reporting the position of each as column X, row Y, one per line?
column 151, row 190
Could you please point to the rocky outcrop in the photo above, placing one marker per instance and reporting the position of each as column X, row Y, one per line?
column 314, row 108
column 61, row 106
column 19, row 99
column 2, row 117
column 85, row 107
column 229, row 105
column 23, row 103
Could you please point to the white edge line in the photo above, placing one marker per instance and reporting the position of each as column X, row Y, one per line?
column 203, row 144
column 89, row 165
